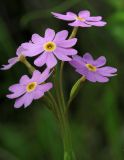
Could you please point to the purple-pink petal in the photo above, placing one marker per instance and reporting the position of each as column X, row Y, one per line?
column 78, row 23
column 41, row 89
column 87, row 58
column 100, row 61
column 71, row 14
column 45, row 87
column 36, row 50
column 107, row 71
column 20, row 50
column 11, row 62
column 44, row 76
column 49, row 34
column 67, row 43
column 17, row 90
column 41, row 60
column 36, row 76
column 94, row 19
column 65, row 51
column 28, row 98
column 77, row 62
column 29, row 45
column 19, row 102
column 84, row 14
column 91, row 76
column 24, row 80
column 61, row 56
column 36, row 38
column 101, row 79
column 38, row 94
column 51, row 60
column 61, row 36
column 83, row 71
column 98, row 24
column 40, row 77
column 25, row 100
column 68, row 17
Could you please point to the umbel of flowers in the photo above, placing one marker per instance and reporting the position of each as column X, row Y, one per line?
column 47, row 51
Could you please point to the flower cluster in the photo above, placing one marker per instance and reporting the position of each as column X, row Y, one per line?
column 51, row 47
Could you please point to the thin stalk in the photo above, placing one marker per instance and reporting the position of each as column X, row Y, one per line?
column 73, row 34
column 22, row 59
column 68, row 151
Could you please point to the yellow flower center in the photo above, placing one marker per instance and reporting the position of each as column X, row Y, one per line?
column 49, row 46
column 80, row 19
column 31, row 86
column 91, row 67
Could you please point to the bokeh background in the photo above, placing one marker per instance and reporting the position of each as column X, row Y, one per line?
column 96, row 115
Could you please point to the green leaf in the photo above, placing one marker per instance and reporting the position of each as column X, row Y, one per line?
column 75, row 89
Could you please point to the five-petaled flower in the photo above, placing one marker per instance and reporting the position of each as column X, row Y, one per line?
column 49, row 47
column 14, row 60
column 93, row 70
column 83, row 19
column 30, row 89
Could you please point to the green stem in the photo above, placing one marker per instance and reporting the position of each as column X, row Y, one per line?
column 66, row 135
column 22, row 59
column 68, row 149
column 61, row 86
column 73, row 34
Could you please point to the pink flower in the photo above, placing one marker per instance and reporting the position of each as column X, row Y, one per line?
column 14, row 60
column 50, row 47
column 83, row 19
column 30, row 89
column 93, row 70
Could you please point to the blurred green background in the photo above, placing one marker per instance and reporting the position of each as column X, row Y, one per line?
column 96, row 115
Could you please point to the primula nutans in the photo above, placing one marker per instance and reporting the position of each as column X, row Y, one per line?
column 31, row 86
column 49, row 46
column 91, row 67
column 49, row 49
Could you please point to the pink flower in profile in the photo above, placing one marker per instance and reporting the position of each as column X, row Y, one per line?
column 30, row 89
column 14, row 60
column 50, row 47
column 83, row 19
column 93, row 70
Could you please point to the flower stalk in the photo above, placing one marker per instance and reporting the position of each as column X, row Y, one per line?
column 22, row 59
column 64, row 124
